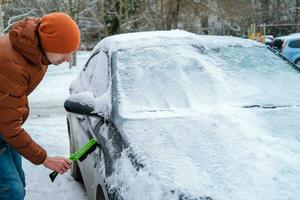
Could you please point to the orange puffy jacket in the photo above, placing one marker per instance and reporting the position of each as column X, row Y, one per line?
column 22, row 66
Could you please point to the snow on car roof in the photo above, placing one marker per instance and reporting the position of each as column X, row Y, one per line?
column 288, row 37
column 157, row 38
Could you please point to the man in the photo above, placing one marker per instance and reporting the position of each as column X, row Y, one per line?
column 25, row 52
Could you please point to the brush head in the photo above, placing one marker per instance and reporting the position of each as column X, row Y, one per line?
column 91, row 150
column 80, row 155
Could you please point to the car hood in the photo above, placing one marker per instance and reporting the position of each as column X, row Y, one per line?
column 224, row 153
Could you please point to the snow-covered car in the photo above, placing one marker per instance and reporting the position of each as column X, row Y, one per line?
column 183, row 116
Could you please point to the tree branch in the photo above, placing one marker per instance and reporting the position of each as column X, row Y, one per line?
column 15, row 18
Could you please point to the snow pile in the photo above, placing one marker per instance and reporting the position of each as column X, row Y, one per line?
column 83, row 98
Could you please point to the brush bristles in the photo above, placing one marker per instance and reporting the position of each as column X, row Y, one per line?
column 91, row 150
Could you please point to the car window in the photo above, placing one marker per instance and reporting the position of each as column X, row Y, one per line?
column 277, row 44
column 183, row 77
column 94, row 76
column 294, row 44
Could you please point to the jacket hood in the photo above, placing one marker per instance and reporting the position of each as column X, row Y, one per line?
column 24, row 38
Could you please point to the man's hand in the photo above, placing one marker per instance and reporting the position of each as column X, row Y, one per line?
column 59, row 164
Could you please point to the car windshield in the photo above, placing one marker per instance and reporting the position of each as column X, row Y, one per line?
column 187, row 77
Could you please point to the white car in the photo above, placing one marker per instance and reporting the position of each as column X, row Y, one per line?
column 179, row 116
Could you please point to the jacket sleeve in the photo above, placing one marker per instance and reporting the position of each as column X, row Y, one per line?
column 13, row 112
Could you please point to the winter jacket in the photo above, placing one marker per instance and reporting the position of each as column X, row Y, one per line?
column 22, row 66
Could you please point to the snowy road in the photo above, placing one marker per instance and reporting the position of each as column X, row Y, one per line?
column 47, row 125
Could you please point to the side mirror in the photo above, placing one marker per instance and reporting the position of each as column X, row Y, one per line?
column 80, row 103
column 85, row 103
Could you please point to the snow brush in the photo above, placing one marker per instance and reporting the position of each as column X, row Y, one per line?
column 80, row 155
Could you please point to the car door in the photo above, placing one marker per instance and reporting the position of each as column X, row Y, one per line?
column 96, row 81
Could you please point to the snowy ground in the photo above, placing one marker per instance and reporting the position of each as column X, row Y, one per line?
column 47, row 125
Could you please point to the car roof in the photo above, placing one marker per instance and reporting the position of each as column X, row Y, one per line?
column 294, row 34
column 172, row 37
column 289, row 37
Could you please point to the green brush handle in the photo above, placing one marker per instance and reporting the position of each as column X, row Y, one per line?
column 77, row 155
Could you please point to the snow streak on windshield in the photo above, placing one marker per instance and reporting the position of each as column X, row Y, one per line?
column 186, row 77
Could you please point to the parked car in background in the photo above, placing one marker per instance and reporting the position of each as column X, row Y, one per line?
column 289, row 46
column 179, row 116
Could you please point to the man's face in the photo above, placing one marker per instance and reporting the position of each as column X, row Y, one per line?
column 58, row 58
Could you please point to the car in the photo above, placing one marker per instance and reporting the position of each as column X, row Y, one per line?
column 289, row 46
column 183, row 116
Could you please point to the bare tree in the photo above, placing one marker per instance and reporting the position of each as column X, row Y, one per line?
column 297, row 15
column 100, row 18
column 173, row 10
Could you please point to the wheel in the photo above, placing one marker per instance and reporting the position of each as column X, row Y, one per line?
column 75, row 171
column 101, row 169
column 100, row 193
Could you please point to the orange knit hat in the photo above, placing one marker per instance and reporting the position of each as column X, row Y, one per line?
column 59, row 33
